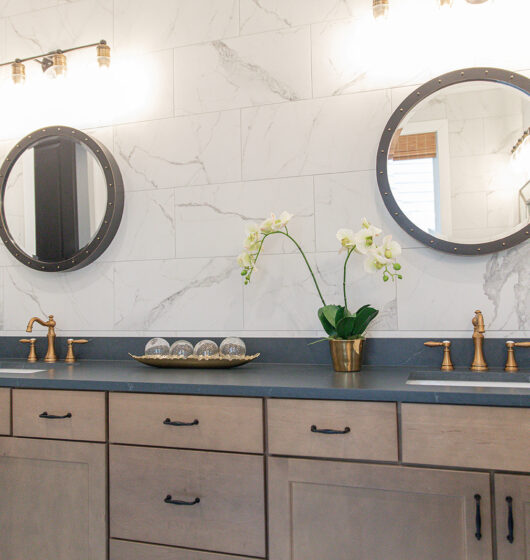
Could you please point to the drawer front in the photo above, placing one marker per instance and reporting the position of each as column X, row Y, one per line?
column 228, row 518
column 5, row 412
column 34, row 412
column 298, row 427
column 218, row 423
column 126, row 550
column 466, row 436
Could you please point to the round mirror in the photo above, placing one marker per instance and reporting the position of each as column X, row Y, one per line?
column 453, row 163
column 62, row 199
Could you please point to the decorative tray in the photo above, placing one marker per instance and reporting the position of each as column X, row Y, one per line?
column 201, row 362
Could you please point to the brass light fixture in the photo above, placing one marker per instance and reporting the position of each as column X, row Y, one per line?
column 477, row 1
column 445, row 3
column 103, row 51
column 54, row 66
column 54, row 63
column 18, row 72
column 380, row 8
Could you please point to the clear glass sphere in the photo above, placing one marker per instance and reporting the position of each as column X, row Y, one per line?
column 206, row 348
column 181, row 348
column 157, row 347
column 233, row 346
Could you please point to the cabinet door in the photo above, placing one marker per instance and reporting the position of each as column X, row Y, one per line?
column 348, row 511
column 52, row 500
column 513, row 527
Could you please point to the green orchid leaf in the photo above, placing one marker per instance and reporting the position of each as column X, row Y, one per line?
column 361, row 309
column 345, row 327
column 364, row 317
column 330, row 313
column 326, row 325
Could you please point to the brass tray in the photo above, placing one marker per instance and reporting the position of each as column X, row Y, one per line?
column 201, row 362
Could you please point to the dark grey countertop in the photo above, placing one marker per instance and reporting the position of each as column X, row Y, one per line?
column 374, row 383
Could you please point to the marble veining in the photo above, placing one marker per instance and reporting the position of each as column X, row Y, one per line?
column 253, row 106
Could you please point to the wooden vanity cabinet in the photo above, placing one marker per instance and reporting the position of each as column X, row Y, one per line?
column 52, row 500
column 352, row 511
column 5, row 412
column 512, row 514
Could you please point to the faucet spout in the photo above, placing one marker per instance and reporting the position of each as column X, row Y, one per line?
column 479, row 362
column 51, row 356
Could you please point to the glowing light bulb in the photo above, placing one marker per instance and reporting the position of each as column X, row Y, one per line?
column 380, row 8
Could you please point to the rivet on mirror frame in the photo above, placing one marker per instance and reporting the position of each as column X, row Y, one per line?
column 455, row 248
column 432, row 241
column 461, row 73
column 478, row 248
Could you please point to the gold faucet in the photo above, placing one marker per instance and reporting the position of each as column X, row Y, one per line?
column 51, row 356
column 479, row 363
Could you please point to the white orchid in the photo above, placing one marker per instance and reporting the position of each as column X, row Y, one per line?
column 346, row 238
column 272, row 223
column 364, row 238
column 244, row 260
column 373, row 261
column 389, row 250
column 251, row 242
column 283, row 220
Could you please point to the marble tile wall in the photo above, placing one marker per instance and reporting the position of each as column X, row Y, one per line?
column 255, row 106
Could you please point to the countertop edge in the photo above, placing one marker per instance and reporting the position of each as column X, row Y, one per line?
column 317, row 393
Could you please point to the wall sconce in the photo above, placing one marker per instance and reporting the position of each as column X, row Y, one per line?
column 380, row 8
column 18, row 72
column 521, row 150
column 54, row 63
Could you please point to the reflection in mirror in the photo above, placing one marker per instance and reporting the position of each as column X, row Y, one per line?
column 55, row 199
column 450, row 164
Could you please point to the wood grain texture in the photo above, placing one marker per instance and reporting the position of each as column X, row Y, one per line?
column 225, row 423
column 518, row 488
column 5, row 411
column 350, row 511
column 126, row 550
column 52, row 500
column 373, row 429
column 483, row 437
column 229, row 518
column 88, row 421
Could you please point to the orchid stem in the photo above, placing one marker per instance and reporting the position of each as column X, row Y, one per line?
column 301, row 252
column 344, row 279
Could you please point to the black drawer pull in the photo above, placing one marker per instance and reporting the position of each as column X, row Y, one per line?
column 169, row 500
column 316, row 430
column 169, row 422
column 509, row 536
column 478, row 518
column 54, row 416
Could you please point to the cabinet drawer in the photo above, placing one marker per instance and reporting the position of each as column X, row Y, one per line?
column 5, row 412
column 86, row 410
column 229, row 517
column 371, row 429
column 126, row 550
column 218, row 423
column 466, row 436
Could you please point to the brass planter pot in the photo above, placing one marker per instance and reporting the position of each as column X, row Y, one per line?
column 347, row 355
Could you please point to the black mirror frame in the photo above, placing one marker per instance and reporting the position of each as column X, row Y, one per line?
column 113, row 214
column 457, row 77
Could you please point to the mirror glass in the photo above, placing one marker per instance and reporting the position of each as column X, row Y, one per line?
column 451, row 168
column 55, row 198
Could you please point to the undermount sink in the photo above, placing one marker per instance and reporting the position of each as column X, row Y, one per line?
column 19, row 370
column 471, row 379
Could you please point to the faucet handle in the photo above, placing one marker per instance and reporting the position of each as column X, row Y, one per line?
column 511, row 364
column 32, row 356
column 70, row 357
column 447, row 364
